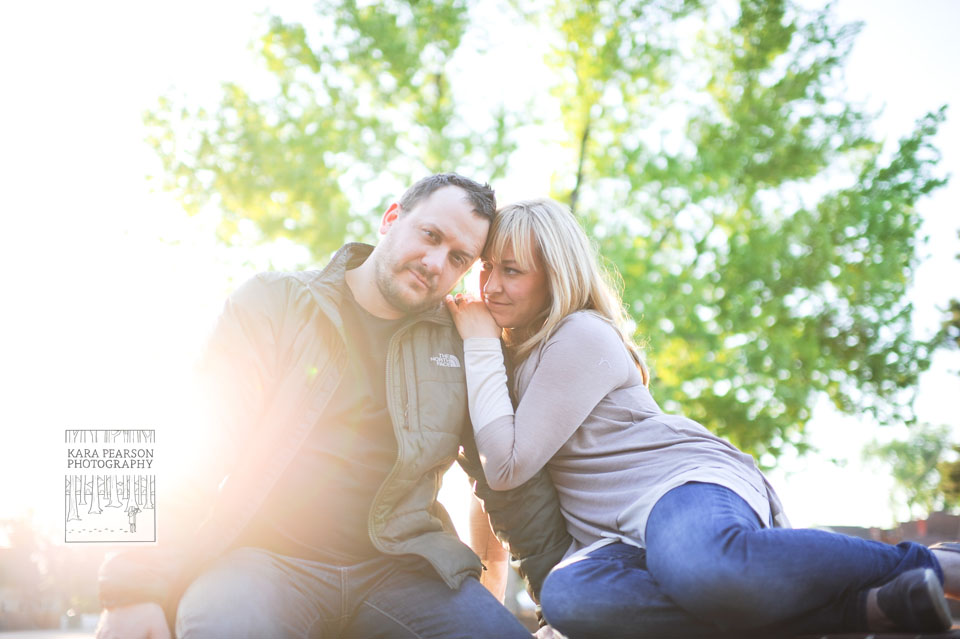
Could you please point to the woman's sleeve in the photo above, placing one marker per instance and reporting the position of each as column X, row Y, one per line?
column 582, row 361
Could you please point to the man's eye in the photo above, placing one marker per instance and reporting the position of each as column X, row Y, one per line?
column 430, row 234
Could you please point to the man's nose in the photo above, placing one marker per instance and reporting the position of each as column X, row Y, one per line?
column 433, row 260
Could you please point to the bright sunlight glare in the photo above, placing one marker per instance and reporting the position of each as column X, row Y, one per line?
column 111, row 287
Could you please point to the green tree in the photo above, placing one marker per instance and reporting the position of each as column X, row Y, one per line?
column 949, row 485
column 757, row 286
column 951, row 324
column 764, row 237
column 915, row 464
column 366, row 97
column 950, row 470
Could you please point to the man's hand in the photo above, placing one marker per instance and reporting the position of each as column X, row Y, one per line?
column 138, row 621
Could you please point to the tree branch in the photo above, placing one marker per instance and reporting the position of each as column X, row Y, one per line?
column 575, row 193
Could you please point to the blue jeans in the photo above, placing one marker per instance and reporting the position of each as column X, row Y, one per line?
column 250, row 592
column 711, row 569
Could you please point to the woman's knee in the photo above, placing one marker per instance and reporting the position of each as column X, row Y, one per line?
column 603, row 599
column 556, row 597
column 722, row 583
column 570, row 601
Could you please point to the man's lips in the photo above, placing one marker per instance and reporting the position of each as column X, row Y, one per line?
column 419, row 278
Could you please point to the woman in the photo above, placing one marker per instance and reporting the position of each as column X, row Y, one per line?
column 676, row 532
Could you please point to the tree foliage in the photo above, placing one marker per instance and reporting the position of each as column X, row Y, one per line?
column 949, row 485
column 765, row 238
column 950, row 469
column 916, row 467
column 951, row 324
column 367, row 95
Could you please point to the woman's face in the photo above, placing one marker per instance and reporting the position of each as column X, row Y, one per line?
column 515, row 297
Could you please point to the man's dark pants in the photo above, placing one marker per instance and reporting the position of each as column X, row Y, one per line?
column 253, row 593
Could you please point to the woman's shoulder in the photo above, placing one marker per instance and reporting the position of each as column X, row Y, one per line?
column 580, row 343
column 587, row 343
column 588, row 330
column 585, row 322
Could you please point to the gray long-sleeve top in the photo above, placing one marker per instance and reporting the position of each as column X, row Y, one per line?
column 584, row 413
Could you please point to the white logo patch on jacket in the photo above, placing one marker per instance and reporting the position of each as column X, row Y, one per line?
column 446, row 360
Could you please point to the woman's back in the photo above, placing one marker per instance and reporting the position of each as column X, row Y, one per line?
column 625, row 452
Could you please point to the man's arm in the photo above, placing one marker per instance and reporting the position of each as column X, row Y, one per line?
column 491, row 552
column 137, row 621
column 135, row 583
column 526, row 518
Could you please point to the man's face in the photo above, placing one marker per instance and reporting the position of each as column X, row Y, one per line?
column 426, row 251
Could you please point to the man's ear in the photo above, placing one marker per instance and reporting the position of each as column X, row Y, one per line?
column 389, row 217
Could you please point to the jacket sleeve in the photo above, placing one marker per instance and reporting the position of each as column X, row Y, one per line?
column 232, row 374
column 526, row 518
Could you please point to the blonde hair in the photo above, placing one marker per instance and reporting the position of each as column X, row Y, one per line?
column 577, row 280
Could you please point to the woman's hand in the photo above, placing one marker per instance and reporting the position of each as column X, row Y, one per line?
column 471, row 317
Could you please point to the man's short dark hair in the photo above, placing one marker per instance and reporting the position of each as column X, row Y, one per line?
column 481, row 196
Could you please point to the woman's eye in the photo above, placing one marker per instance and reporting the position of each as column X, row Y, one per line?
column 485, row 265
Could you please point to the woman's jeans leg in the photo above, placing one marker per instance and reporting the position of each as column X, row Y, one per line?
column 710, row 567
column 609, row 594
column 707, row 551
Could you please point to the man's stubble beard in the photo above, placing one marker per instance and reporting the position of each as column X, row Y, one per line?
column 393, row 292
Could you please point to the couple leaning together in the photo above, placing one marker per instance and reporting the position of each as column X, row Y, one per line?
column 343, row 395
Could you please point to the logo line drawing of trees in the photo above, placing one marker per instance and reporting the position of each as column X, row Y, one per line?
column 106, row 496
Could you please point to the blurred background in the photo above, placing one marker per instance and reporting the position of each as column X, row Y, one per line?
column 770, row 179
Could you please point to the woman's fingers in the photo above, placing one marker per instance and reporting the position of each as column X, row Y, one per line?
column 471, row 316
column 461, row 301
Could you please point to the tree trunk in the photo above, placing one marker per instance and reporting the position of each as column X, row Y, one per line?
column 112, row 492
column 95, row 496
column 72, row 512
column 151, row 489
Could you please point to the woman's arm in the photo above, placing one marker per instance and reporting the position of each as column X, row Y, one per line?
column 580, row 364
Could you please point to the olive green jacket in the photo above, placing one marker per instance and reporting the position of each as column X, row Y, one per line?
column 274, row 360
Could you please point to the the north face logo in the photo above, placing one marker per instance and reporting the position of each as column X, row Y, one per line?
column 446, row 360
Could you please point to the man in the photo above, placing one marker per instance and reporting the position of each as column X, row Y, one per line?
column 341, row 401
